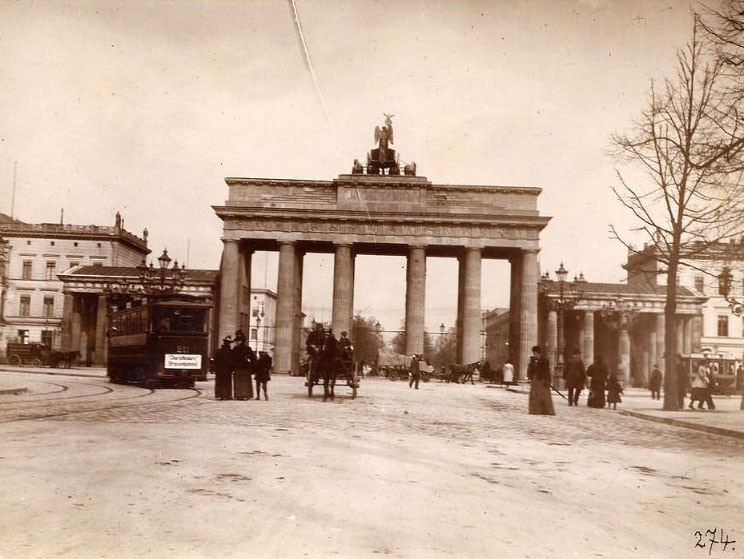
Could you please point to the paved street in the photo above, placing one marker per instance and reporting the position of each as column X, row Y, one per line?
column 92, row 469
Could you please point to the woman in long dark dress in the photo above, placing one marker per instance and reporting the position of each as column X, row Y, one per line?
column 243, row 358
column 223, row 368
column 538, row 371
column 598, row 373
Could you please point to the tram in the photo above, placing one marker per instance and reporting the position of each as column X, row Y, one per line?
column 160, row 340
column 727, row 371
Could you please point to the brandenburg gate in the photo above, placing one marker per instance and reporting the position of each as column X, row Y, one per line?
column 374, row 212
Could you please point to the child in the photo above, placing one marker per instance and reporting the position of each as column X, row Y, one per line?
column 613, row 392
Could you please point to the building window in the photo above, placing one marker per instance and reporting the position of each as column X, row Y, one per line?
column 23, row 336
column 254, row 334
column 25, row 307
column 700, row 284
column 51, row 243
column 26, row 270
column 723, row 325
column 48, row 307
column 74, row 244
column 51, row 270
column 99, row 245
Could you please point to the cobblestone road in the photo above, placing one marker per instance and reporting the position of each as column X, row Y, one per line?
column 445, row 471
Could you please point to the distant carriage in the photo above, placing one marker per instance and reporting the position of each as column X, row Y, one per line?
column 462, row 372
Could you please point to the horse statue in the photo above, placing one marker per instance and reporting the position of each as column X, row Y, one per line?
column 462, row 372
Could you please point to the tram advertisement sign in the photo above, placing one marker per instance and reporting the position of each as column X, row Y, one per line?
column 183, row 361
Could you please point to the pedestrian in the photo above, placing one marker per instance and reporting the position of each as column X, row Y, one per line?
column 654, row 383
column 262, row 372
column 698, row 392
column 598, row 373
column 346, row 354
column 538, row 372
column 614, row 389
column 508, row 372
column 575, row 376
column 712, row 385
column 243, row 361
column 415, row 372
column 223, row 369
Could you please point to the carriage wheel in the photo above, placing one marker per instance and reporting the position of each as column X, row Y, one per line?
column 16, row 360
column 36, row 362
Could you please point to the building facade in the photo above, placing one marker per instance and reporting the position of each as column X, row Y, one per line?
column 32, row 294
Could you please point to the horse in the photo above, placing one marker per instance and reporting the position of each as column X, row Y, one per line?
column 462, row 372
column 67, row 357
column 328, row 363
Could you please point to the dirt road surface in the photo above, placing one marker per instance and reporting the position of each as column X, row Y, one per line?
column 458, row 471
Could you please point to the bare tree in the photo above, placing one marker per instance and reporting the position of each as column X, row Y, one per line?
column 689, row 144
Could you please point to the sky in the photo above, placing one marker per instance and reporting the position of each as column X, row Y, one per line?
column 144, row 107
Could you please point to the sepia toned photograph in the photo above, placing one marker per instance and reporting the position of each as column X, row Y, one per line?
column 357, row 279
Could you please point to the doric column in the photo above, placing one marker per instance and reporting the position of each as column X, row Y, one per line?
column 101, row 327
column 471, row 311
column 696, row 332
column 515, row 301
column 229, row 289
column 551, row 336
column 298, row 322
column 75, row 330
column 68, row 309
column 342, row 315
column 285, row 305
column 686, row 335
column 644, row 369
column 653, row 355
column 660, row 330
column 415, row 299
column 460, row 307
column 528, row 309
column 680, row 334
column 623, row 353
column 245, row 257
column 587, row 349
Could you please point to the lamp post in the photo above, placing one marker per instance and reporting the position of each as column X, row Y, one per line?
column 164, row 279
column 259, row 313
column 561, row 296
column 618, row 315
column 725, row 279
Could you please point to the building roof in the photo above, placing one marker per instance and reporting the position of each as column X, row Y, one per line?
column 192, row 276
column 597, row 288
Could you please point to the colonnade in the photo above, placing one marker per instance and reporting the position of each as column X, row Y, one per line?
column 637, row 340
column 234, row 298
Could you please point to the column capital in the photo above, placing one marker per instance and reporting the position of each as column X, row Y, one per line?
column 287, row 243
column 342, row 244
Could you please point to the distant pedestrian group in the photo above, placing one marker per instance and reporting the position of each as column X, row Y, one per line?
column 234, row 366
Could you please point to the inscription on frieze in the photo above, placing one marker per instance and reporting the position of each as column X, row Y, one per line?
column 476, row 230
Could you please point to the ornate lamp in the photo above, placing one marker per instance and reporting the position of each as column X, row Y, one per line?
column 163, row 280
column 562, row 299
column 725, row 279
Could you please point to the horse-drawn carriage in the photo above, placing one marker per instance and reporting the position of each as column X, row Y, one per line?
column 329, row 360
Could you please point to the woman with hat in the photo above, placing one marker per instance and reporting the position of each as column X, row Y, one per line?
column 223, row 368
column 243, row 361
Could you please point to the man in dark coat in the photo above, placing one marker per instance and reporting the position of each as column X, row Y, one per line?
column 263, row 374
column 415, row 371
column 575, row 377
column 538, row 371
column 654, row 383
column 223, row 369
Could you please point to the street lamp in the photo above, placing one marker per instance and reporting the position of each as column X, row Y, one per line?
column 259, row 313
column 163, row 280
column 561, row 296
column 725, row 279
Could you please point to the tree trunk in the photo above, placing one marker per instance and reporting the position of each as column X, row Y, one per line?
column 671, row 363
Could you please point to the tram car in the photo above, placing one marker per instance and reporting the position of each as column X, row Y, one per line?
column 727, row 371
column 159, row 341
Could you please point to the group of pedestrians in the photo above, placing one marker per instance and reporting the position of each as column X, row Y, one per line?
column 234, row 367
column 701, row 389
column 604, row 388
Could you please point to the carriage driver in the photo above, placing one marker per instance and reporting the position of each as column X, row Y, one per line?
column 345, row 351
